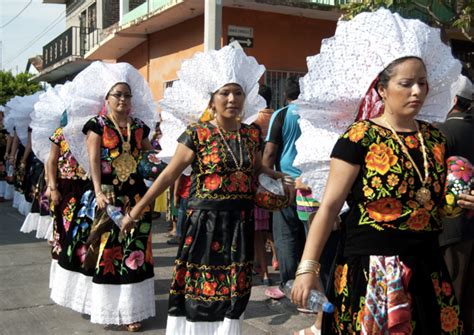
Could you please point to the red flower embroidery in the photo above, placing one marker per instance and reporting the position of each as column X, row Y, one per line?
column 108, row 258
column 81, row 253
column 209, row 289
column 188, row 240
column 139, row 137
column 241, row 281
column 224, row 290
column 203, row 134
column 238, row 180
column 212, row 182
column 211, row 159
column 109, row 138
column 446, row 288
column 215, row 246
column 180, row 274
column 221, row 277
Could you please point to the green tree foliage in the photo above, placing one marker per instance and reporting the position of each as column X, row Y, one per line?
column 446, row 14
column 11, row 86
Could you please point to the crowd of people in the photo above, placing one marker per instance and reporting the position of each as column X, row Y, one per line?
column 389, row 238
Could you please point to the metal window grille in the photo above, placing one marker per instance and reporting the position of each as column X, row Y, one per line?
column 276, row 81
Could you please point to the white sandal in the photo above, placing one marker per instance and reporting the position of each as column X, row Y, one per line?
column 313, row 329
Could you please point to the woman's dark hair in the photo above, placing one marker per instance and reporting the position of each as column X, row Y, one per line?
column 387, row 73
column 266, row 92
column 119, row 83
column 463, row 104
column 292, row 88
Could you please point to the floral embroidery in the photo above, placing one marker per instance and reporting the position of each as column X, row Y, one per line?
column 438, row 151
column 68, row 168
column 461, row 170
column 357, row 132
column 340, row 278
column 109, row 138
column 211, row 283
column 449, row 311
column 135, row 259
column 212, row 182
column 380, row 158
column 68, row 213
column 386, row 209
column 110, row 256
column 411, row 142
column 419, row 219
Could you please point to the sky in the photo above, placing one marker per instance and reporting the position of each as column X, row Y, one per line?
column 25, row 36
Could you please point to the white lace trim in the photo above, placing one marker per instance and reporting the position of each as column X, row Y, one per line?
column 49, row 233
column 24, row 207
column 20, row 111
column 31, row 223
column 3, row 186
column 70, row 289
column 9, row 191
column 122, row 304
column 178, row 325
column 45, row 223
column 16, row 199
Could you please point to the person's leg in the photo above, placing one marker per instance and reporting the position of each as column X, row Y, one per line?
column 289, row 237
column 259, row 245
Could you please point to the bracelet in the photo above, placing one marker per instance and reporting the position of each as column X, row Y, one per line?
column 130, row 217
column 308, row 266
column 98, row 194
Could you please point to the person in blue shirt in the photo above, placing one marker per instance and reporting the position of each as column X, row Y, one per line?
column 280, row 152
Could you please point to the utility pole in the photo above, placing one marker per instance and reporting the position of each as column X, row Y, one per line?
column 212, row 24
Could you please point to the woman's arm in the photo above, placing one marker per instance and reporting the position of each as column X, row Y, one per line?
column 8, row 147
column 27, row 149
column 183, row 157
column 341, row 178
column 52, row 168
column 93, row 149
column 13, row 150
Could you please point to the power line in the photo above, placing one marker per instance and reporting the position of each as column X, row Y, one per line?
column 19, row 13
column 56, row 21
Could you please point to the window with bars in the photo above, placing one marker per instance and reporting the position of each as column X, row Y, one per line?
column 276, row 81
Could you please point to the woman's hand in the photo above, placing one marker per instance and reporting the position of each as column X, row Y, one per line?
column 127, row 224
column 299, row 185
column 466, row 200
column 55, row 196
column 302, row 287
column 101, row 200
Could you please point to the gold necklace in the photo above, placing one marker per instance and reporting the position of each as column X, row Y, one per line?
column 423, row 195
column 124, row 164
column 238, row 165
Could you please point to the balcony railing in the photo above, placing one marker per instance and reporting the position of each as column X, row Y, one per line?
column 75, row 41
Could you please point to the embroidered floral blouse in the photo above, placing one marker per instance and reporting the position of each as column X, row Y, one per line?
column 111, row 146
column 383, row 196
column 68, row 167
column 216, row 182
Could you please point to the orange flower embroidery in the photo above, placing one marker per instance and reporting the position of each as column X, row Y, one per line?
column 139, row 137
column 376, row 182
column 385, row 209
column 340, row 278
column 109, row 138
column 212, row 182
column 449, row 319
column 402, row 189
column 203, row 134
column 419, row 219
column 411, row 142
column 356, row 133
column 438, row 151
column 380, row 158
column 212, row 158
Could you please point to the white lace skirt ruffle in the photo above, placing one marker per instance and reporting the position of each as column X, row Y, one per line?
column 44, row 230
column 49, row 233
column 70, row 289
column 3, row 186
column 24, row 207
column 16, row 199
column 9, row 190
column 123, row 304
column 178, row 325
column 31, row 223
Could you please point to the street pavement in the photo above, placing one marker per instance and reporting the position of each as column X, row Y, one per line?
column 25, row 306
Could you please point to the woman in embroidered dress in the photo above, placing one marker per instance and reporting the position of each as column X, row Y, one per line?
column 389, row 274
column 3, row 156
column 123, row 288
column 67, row 188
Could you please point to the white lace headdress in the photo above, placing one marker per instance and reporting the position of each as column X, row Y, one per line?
column 90, row 88
column 341, row 74
column 20, row 113
column 46, row 117
column 198, row 78
column 8, row 117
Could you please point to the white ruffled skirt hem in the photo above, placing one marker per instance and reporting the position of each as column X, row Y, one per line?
column 9, row 190
column 178, row 325
column 105, row 303
column 16, row 199
column 3, row 187
column 24, row 207
column 44, row 230
column 30, row 223
column 70, row 289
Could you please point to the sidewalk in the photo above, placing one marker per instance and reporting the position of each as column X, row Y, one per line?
column 25, row 307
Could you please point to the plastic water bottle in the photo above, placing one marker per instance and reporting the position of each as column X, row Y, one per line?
column 317, row 301
column 10, row 170
column 115, row 214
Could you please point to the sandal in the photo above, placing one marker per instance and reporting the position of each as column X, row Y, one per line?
column 274, row 293
column 313, row 329
column 133, row 327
